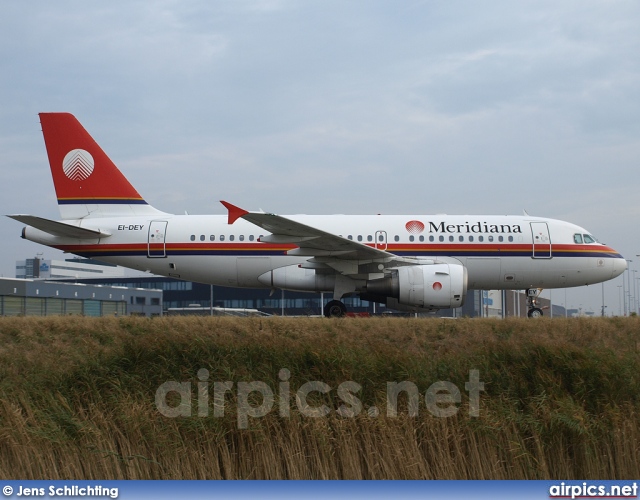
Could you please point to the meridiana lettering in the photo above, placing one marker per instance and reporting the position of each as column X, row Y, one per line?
column 475, row 227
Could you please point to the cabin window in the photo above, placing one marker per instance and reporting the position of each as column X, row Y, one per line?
column 510, row 238
column 202, row 237
column 232, row 237
column 500, row 239
column 589, row 239
column 490, row 238
column 480, row 238
column 411, row 238
column 451, row 238
column 460, row 238
column 359, row 237
column 369, row 238
column 212, row 238
column 431, row 238
column 251, row 237
column 470, row 238
column 577, row 238
column 222, row 237
column 396, row 238
column 193, row 237
column 381, row 238
column 421, row 238
column 241, row 237
column 350, row 237
column 441, row 238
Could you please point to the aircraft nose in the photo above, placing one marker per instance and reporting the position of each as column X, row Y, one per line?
column 619, row 266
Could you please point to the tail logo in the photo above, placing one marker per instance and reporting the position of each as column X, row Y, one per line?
column 78, row 165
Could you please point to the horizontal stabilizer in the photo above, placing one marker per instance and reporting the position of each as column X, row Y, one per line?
column 59, row 228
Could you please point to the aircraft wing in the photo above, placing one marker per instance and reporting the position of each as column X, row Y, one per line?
column 59, row 228
column 311, row 242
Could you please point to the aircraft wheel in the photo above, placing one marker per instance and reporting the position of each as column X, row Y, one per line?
column 335, row 309
column 535, row 313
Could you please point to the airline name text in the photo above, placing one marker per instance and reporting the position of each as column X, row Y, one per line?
column 477, row 227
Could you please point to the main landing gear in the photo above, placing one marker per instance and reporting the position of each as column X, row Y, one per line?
column 532, row 303
column 335, row 309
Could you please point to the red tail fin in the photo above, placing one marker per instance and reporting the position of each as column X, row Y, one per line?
column 87, row 182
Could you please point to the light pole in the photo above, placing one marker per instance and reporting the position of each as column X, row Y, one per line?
column 620, row 299
column 636, row 301
column 629, row 284
column 633, row 289
column 624, row 292
column 637, row 255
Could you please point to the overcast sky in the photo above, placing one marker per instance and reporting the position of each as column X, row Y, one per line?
column 336, row 107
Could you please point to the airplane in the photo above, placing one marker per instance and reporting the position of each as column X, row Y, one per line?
column 407, row 262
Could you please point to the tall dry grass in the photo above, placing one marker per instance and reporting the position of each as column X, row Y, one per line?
column 561, row 399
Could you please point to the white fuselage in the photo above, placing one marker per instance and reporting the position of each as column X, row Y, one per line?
column 499, row 252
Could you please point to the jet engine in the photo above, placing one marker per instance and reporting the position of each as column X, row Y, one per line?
column 424, row 286
column 433, row 286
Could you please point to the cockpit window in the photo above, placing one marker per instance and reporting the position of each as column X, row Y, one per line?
column 577, row 238
column 589, row 239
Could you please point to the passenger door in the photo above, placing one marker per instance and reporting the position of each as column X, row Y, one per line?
column 157, row 239
column 541, row 240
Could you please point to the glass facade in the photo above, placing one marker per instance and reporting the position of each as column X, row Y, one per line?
column 183, row 294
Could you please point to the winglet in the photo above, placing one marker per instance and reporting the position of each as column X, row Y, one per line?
column 234, row 212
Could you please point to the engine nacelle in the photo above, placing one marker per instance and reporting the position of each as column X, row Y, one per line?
column 298, row 279
column 434, row 286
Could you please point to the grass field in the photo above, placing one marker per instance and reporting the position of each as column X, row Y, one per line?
column 561, row 398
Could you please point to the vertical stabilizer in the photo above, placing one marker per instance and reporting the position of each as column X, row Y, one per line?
column 87, row 182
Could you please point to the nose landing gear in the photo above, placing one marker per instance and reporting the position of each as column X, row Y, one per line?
column 532, row 303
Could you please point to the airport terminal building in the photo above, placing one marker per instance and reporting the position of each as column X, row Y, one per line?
column 68, row 268
column 102, row 289
column 31, row 297
column 179, row 294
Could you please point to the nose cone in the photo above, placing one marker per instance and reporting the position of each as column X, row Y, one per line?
column 619, row 266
